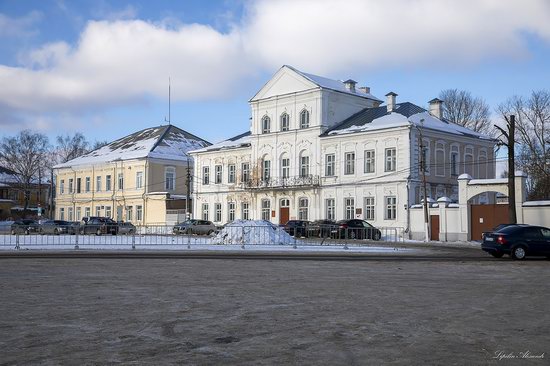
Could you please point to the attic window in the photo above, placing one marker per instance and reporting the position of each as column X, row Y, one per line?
column 266, row 124
column 284, row 122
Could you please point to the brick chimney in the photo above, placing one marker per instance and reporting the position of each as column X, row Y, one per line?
column 365, row 89
column 390, row 101
column 436, row 108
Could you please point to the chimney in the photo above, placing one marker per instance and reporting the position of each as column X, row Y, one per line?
column 390, row 101
column 365, row 89
column 436, row 108
column 350, row 85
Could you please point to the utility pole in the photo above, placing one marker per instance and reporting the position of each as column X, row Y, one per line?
column 510, row 144
column 423, row 169
column 188, row 200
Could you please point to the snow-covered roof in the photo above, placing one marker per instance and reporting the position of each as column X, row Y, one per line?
column 7, row 176
column 242, row 140
column 337, row 85
column 404, row 114
column 162, row 142
column 536, row 203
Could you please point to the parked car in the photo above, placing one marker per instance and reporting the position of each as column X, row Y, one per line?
column 356, row 229
column 98, row 225
column 57, row 227
column 24, row 226
column 496, row 228
column 321, row 228
column 518, row 241
column 297, row 228
column 126, row 228
column 194, row 226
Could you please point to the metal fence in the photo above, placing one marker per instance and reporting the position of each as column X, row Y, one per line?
column 163, row 236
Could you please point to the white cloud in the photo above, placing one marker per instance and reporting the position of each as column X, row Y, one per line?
column 120, row 61
column 19, row 27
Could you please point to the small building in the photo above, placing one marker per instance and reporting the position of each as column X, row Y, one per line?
column 13, row 193
column 140, row 178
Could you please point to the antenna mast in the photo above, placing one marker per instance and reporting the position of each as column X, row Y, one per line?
column 169, row 123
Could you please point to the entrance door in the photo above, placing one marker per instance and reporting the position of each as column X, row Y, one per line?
column 434, row 227
column 284, row 211
column 486, row 217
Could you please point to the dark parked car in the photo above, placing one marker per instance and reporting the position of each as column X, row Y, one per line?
column 126, row 228
column 356, row 229
column 24, row 226
column 496, row 228
column 297, row 228
column 518, row 241
column 98, row 225
column 321, row 228
column 194, row 226
column 57, row 227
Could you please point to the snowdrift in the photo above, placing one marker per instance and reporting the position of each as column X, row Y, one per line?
column 252, row 232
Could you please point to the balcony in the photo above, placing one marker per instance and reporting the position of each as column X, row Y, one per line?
column 308, row 181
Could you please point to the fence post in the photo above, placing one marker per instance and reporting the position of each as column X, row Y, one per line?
column 17, row 241
column 242, row 238
column 133, row 240
column 76, row 239
column 188, row 241
column 294, row 246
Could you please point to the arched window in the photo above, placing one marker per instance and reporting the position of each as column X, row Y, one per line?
column 266, row 124
column 469, row 160
column 303, row 209
column 304, row 119
column 454, row 160
column 285, row 122
column 483, row 166
column 440, row 159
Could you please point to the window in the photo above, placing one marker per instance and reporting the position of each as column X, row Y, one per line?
column 425, row 158
column 62, row 214
column 304, row 166
column 78, row 213
column 245, row 172
column 391, row 159
column 205, row 175
column 369, row 161
column 482, row 166
column 218, row 174
column 266, row 124
column 120, row 181
column 304, row 119
column 391, row 208
column 129, row 213
column 119, row 216
column 139, row 212
column 266, row 209
column 98, row 210
column 285, row 168
column 139, row 180
column 205, row 211
column 454, row 162
column 170, row 178
column 330, row 159
column 245, row 211
column 71, row 185
column 87, row 185
column 285, row 122
column 303, row 209
column 218, row 212
column 469, row 160
column 107, row 182
column 330, row 213
column 230, row 211
column 440, row 160
column 266, row 170
column 369, row 208
column 78, row 185
column 349, row 205
column 349, row 161
column 87, row 212
column 61, row 186
column 70, row 214
column 231, row 173
column 107, row 211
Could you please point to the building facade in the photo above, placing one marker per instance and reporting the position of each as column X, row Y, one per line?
column 141, row 178
column 325, row 149
column 13, row 194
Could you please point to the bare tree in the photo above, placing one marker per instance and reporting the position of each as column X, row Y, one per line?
column 533, row 128
column 25, row 154
column 462, row 108
column 98, row 144
column 70, row 147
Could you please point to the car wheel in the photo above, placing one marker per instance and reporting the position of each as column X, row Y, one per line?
column 497, row 254
column 12, row 231
column 210, row 232
column 377, row 236
column 519, row 252
column 98, row 232
column 27, row 231
column 56, row 232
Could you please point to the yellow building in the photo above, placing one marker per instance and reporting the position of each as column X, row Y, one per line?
column 140, row 178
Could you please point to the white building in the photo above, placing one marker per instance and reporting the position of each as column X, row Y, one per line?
column 320, row 148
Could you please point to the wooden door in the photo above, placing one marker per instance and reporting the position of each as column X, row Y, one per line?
column 284, row 215
column 486, row 217
column 434, row 227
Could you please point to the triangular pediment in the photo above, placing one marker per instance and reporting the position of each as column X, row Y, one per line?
column 285, row 81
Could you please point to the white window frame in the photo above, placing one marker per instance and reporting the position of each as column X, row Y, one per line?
column 108, row 182
column 218, row 174
column 130, row 213
column 303, row 208
column 390, row 159
column 139, row 180
column 266, row 124
column 169, row 178
column 349, row 208
column 70, row 214
column 245, row 211
column 71, row 185
column 330, row 165
column 349, row 163
column 370, row 161
column 390, row 207
column 285, row 122
column 87, row 212
column 304, row 119
column 218, row 212
column 266, row 169
column 285, row 167
column 205, row 211
column 62, row 186
column 231, row 171
column 120, row 181
column 330, row 209
column 439, row 159
column 108, row 212
column 87, row 185
column 139, row 213
column 62, row 213
column 205, row 175
column 266, row 209
column 231, row 211
column 370, row 204
column 245, row 172
column 98, row 183
column 304, row 166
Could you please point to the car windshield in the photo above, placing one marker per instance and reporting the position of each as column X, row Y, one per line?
column 509, row 229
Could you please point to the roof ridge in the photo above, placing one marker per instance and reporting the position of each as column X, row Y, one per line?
column 160, row 138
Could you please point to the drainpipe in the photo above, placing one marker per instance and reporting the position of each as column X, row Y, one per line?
column 146, row 189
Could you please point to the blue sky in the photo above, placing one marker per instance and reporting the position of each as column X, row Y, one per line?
column 102, row 67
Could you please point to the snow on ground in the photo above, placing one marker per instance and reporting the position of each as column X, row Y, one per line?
column 252, row 231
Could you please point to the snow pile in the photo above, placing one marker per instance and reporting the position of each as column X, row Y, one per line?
column 252, row 232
